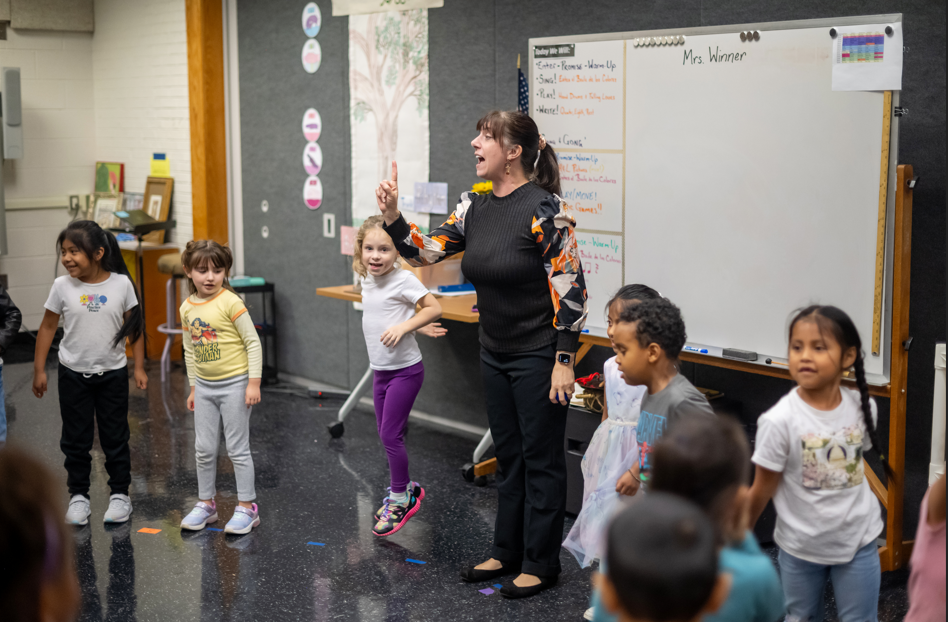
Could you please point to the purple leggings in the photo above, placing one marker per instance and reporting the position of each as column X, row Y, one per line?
column 395, row 391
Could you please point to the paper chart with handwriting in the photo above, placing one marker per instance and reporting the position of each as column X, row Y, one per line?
column 601, row 256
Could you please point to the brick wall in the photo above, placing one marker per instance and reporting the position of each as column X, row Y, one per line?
column 140, row 82
column 119, row 95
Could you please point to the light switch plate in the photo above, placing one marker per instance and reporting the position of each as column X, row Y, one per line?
column 329, row 225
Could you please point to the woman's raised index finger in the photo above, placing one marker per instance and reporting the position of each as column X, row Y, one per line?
column 394, row 171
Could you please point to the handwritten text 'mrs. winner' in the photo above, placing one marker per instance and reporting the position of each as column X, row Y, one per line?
column 716, row 56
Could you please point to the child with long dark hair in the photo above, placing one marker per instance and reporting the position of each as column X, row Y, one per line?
column 100, row 310
column 225, row 363
column 809, row 459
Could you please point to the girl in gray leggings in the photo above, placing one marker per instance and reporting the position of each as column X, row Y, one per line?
column 223, row 356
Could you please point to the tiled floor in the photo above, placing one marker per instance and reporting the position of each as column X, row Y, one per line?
column 310, row 490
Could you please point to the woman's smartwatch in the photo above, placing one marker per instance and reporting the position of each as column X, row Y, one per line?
column 565, row 358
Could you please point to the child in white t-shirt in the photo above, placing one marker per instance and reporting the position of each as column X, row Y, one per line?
column 809, row 457
column 389, row 321
column 99, row 307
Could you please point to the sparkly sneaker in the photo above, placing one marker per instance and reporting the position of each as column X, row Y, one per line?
column 416, row 490
column 395, row 516
column 120, row 509
column 78, row 512
column 243, row 520
column 200, row 516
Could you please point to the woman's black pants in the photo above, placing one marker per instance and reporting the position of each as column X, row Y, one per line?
column 528, row 432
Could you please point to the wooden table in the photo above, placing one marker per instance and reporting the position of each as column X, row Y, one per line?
column 457, row 308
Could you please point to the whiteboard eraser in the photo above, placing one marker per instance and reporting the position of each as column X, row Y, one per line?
column 739, row 355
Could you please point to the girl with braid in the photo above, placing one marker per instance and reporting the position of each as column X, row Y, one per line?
column 808, row 458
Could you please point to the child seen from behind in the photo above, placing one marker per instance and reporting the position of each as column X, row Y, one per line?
column 100, row 310
column 663, row 563
column 389, row 321
column 225, row 363
column 809, row 459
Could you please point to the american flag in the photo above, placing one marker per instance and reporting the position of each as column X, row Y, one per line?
column 523, row 97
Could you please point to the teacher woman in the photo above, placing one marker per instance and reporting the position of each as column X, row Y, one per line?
column 520, row 253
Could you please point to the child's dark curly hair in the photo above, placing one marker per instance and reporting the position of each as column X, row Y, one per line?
column 657, row 321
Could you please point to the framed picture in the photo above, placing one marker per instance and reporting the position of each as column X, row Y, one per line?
column 109, row 177
column 105, row 206
column 157, row 203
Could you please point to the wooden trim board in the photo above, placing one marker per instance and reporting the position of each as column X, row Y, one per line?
column 205, row 28
column 880, row 227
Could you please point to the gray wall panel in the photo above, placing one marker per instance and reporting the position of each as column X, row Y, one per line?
column 275, row 92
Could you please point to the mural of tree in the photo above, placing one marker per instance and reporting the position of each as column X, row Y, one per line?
column 395, row 46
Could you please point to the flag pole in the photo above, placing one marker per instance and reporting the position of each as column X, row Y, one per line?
column 518, row 61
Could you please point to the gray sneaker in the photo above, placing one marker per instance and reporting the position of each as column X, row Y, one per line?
column 200, row 516
column 78, row 512
column 120, row 509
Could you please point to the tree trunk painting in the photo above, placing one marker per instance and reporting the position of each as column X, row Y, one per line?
column 388, row 59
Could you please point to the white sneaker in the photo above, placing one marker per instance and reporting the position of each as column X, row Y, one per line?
column 120, row 508
column 589, row 614
column 78, row 512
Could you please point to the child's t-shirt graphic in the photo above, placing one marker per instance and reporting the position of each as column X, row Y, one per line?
column 204, row 341
column 215, row 347
column 663, row 410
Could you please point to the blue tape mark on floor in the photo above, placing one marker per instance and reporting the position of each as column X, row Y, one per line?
column 214, row 529
column 414, row 561
column 498, row 585
column 316, row 543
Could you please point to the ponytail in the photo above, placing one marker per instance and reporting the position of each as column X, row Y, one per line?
column 89, row 237
column 547, row 172
column 844, row 331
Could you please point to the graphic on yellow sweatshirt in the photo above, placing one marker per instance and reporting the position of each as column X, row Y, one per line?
column 216, row 350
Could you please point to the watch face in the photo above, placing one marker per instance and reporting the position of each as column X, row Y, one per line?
column 564, row 358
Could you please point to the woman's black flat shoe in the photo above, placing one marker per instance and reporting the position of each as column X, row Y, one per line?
column 473, row 575
column 512, row 591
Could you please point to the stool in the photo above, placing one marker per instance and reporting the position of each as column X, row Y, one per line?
column 170, row 264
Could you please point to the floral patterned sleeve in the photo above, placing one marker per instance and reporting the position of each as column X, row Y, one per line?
column 553, row 230
column 419, row 249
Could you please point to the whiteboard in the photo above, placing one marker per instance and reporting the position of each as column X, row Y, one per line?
column 741, row 189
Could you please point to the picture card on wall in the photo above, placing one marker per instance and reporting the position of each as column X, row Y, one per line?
column 313, row 192
column 312, row 158
column 431, row 197
column 312, row 19
column 312, row 125
column 312, row 55
column 347, row 236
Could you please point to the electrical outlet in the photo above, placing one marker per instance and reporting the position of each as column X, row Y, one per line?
column 74, row 205
column 329, row 225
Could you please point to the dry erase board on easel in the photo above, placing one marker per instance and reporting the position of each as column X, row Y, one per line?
column 725, row 173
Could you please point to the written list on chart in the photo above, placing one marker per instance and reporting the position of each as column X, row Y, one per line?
column 577, row 98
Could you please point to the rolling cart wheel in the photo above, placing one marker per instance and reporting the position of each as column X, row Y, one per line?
column 467, row 471
column 480, row 481
column 337, row 429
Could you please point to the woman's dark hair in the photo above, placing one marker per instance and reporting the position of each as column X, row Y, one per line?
column 89, row 237
column 35, row 546
column 207, row 253
column 702, row 459
column 515, row 128
column 658, row 321
column 835, row 321
column 636, row 291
